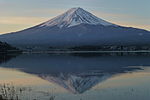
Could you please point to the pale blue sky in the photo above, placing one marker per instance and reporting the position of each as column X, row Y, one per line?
column 20, row 14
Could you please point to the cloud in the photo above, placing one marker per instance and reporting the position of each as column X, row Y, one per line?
column 126, row 19
column 22, row 20
column 12, row 24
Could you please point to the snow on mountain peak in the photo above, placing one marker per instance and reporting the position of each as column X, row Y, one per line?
column 73, row 17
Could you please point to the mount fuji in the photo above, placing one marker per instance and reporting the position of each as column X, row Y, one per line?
column 75, row 16
column 76, row 27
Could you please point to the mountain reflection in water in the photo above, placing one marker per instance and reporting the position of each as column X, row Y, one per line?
column 76, row 73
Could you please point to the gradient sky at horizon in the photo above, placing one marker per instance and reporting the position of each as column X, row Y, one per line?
column 20, row 14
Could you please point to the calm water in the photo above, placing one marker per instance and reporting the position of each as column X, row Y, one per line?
column 78, row 77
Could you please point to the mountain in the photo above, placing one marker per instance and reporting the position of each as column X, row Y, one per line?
column 75, row 28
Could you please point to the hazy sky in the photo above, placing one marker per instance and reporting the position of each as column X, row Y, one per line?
column 20, row 14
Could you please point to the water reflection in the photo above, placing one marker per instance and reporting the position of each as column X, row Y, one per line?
column 77, row 74
column 6, row 57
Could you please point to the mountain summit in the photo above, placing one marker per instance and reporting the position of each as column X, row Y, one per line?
column 76, row 28
column 75, row 16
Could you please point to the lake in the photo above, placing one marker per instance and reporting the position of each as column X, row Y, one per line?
column 77, row 76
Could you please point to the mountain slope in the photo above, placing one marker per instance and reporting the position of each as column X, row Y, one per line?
column 76, row 27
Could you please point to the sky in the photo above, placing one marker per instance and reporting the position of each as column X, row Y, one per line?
column 17, row 15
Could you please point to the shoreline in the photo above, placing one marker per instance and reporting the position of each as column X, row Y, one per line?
column 70, row 52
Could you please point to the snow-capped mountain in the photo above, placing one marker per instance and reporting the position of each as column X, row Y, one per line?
column 75, row 16
column 76, row 27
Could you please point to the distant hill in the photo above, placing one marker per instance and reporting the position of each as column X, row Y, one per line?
column 6, row 48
